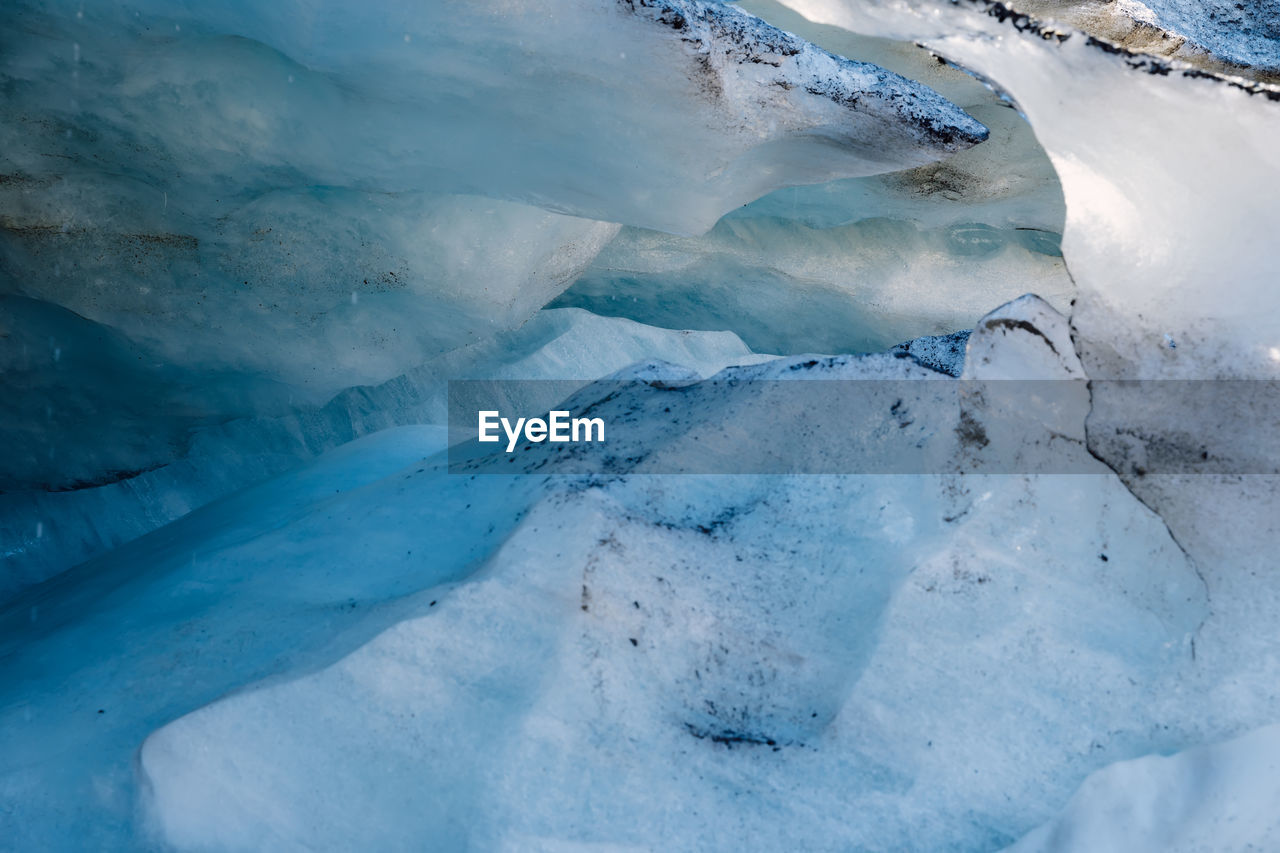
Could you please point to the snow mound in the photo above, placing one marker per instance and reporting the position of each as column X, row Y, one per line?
column 1210, row 798
column 877, row 661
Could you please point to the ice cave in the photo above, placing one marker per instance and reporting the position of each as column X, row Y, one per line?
column 934, row 350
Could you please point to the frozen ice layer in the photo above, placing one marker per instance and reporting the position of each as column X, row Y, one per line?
column 862, row 263
column 545, row 102
column 858, row 287
column 270, row 206
column 47, row 531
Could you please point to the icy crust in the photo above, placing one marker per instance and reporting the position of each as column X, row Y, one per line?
column 1215, row 797
column 46, row 532
column 878, row 661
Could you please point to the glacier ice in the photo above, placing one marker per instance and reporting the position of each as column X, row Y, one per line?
column 259, row 211
column 47, row 532
column 242, row 250
column 863, row 263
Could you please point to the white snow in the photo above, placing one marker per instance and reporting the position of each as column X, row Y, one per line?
column 687, row 662
column 1214, row 797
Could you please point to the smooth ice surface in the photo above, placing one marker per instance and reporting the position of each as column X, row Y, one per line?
column 265, row 207
column 46, row 532
column 544, row 102
column 1218, row 797
column 858, row 264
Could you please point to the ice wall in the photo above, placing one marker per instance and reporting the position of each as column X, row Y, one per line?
column 863, row 263
column 215, row 214
column 293, row 196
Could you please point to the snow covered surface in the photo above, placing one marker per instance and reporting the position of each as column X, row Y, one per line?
column 498, row 711
column 1239, row 38
column 471, row 659
column 1213, row 797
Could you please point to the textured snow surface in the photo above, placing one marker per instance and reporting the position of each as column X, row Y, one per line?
column 472, row 659
column 1237, row 37
column 715, row 636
